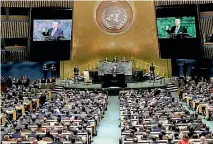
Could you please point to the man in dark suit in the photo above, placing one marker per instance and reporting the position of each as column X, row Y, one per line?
column 185, row 67
column 124, row 59
column 177, row 31
column 115, row 68
column 55, row 33
column 53, row 70
column 115, row 60
column 45, row 71
column 76, row 74
column 152, row 72
column 106, row 60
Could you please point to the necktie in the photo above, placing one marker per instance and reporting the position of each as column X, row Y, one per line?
column 176, row 30
column 53, row 32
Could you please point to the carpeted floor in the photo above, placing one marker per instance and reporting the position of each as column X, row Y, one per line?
column 108, row 130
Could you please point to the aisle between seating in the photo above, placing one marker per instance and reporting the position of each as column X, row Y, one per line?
column 108, row 130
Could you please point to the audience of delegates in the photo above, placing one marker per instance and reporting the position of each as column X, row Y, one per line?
column 155, row 116
column 10, row 81
column 67, row 116
column 199, row 91
column 45, row 83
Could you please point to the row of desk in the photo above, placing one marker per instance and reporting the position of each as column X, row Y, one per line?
column 92, row 128
column 151, row 123
column 21, row 108
column 194, row 104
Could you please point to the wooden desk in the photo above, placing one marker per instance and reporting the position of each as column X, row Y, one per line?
column 49, row 94
column 201, row 105
column 37, row 102
column 188, row 100
column 13, row 112
column 29, row 104
column 178, row 92
column 194, row 102
column 208, row 110
column 3, row 119
column 184, row 95
column 21, row 107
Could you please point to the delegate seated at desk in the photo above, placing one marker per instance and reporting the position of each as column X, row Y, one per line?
column 115, row 60
column 124, row 59
column 106, row 60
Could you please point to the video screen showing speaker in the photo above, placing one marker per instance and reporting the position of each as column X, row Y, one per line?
column 176, row 27
column 51, row 34
column 50, row 30
column 178, row 32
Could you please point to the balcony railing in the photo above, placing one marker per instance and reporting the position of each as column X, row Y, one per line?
column 14, row 55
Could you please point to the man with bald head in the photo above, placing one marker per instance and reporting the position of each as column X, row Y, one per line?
column 177, row 31
column 54, row 32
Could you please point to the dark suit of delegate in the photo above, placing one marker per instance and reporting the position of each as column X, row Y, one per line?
column 76, row 74
column 76, row 71
column 178, row 33
column 115, row 61
column 50, row 32
column 45, row 71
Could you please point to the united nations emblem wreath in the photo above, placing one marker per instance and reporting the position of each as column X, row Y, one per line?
column 114, row 17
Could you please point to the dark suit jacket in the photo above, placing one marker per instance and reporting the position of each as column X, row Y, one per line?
column 152, row 68
column 16, row 135
column 33, row 135
column 180, row 31
column 115, row 60
column 76, row 71
column 106, row 61
column 57, row 33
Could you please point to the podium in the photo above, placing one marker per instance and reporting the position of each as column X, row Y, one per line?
column 51, row 38
column 114, row 80
column 179, row 35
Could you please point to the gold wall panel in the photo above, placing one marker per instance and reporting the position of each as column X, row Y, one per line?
column 89, row 42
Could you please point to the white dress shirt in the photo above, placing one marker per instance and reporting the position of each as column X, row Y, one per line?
column 53, row 32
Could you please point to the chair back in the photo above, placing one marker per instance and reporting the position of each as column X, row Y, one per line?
column 47, row 139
